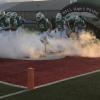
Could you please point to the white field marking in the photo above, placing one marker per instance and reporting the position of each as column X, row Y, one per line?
column 66, row 79
column 13, row 85
column 12, row 94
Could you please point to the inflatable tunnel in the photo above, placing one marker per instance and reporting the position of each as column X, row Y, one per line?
column 89, row 12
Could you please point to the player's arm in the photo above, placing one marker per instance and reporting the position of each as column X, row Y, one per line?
column 49, row 25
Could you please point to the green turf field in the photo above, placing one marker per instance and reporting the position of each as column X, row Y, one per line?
column 82, row 88
column 6, row 89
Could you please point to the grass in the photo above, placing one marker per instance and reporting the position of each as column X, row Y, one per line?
column 83, row 88
column 6, row 89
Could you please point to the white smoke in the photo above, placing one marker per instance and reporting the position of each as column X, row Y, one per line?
column 19, row 44
column 23, row 44
column 86, row 46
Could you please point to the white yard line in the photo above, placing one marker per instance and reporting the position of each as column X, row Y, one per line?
column 66, row 79
column 12, row 94
column 13, row 85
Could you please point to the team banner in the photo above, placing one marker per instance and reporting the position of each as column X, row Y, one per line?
column 81, row 7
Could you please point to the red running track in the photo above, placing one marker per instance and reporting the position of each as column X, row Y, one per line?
column 15, row 71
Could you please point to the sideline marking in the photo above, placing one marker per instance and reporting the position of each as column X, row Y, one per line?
column 66, row 79
column 12, row 94
column 13, row 85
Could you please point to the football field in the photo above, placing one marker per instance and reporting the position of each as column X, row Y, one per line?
column 80, row 88
column 70, row 78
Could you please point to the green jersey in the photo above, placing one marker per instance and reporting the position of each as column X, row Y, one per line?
column 79, row 22
column 60, row 25
column 18, row 21
column 2, row 21
column 42, row 25
column 7, row 22
column 13, row 23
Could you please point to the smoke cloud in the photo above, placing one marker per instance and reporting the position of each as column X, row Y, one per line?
column 19, row 44
column 27, row 45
